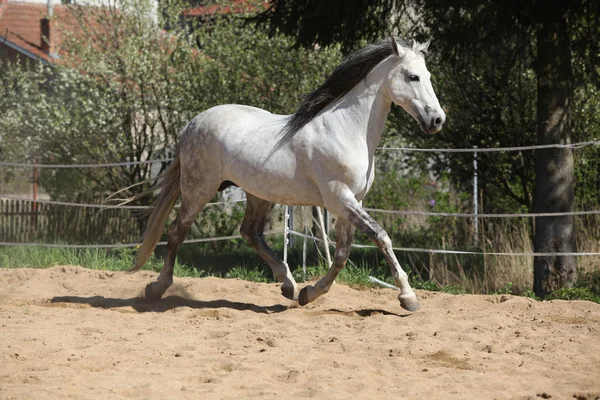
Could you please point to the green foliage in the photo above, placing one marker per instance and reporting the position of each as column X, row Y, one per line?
column 248, row 67
column 356, row 275
column 256, row 274
column 125, row 88
column 313, row 272
column 40, row 257
column 493, row 81
column 219, row 220
column 119, row 259
column 426, row 285
column 506, row 289
column 483, row 66
column 394, row 190
column 333, row 22
column 251, row 269
column 124, row 91
column 577, row 293
column 530, row 294
column 586, row 288
column 352, row 275
column 591, row 280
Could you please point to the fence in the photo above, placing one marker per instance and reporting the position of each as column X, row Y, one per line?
column 27, row 221
column 20, row 219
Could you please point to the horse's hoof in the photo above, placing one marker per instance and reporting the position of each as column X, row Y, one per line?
column 290, row 292
column 303, row 298
column 150, row 293
column 307, row 294
column 409, row 303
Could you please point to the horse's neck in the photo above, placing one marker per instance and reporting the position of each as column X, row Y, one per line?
column 364, row 109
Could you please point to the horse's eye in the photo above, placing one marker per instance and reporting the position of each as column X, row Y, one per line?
column 414, row 78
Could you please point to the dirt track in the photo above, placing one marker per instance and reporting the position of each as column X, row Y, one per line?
column 68, row 332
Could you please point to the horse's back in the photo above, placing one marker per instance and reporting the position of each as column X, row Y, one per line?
column 226, row 115
column 225, row 126
column 241, row 144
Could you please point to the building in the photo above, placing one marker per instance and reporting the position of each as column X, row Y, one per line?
column 26, row 31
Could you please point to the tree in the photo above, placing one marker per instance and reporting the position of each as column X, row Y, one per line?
column 554, row 177
column 491, row 54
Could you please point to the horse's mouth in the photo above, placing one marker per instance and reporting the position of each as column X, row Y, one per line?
column 434, row 130
column 430, row 129
column 427, row 129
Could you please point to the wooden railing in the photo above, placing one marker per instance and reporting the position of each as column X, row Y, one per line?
column 26, row 221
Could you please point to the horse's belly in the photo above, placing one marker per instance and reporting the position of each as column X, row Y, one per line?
column 277, row 187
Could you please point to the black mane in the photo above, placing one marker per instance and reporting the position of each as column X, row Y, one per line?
column 348, row 74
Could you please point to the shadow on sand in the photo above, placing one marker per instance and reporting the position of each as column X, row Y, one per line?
column 171, row 302
column 165, row 304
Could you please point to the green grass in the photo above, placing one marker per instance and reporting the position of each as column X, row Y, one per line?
column 576, row 293
column 242, row 263
column 253, row 274
column 97, row 259
column 587, row 288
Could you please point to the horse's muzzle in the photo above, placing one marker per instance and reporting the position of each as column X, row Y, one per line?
column 436, row 124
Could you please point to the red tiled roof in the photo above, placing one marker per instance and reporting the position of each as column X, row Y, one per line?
column 20, row 23
column 235, row 7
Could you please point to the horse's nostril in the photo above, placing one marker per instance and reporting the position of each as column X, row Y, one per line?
column 439, row 121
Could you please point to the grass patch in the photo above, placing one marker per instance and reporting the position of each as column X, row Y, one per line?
column 248, row 274
column 96, row 259
column 576, row 293
column 243, row 264
column 587, row 288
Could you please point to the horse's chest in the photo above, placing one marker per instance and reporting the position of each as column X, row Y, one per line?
column 357, row 174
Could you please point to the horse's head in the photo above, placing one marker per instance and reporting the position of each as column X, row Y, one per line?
column 409, row 86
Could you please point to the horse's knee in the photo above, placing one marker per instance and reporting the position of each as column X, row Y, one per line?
column 382, row 239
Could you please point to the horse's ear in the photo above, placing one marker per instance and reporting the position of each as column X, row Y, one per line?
column 397, row 50
column 425, row 45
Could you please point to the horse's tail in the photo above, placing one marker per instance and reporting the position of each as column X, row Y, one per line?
column 169, row 187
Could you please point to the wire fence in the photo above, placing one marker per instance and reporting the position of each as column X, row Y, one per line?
column 125, row 245
column 578, row 145
column 102, row 206
column 375, row 210
column 100, row 165
column 289, row 231
column 441, row 251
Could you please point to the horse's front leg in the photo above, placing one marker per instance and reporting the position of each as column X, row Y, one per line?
column 347, row 206
column 344, row 233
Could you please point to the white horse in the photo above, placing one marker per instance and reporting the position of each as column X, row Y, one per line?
column 323, row 155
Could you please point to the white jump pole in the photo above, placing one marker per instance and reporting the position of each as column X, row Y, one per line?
column 286, row 233
column 325, row 237
column 304, row 254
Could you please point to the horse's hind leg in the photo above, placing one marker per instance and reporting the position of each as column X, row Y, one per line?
column 190, row 207
column 344, row 233
column 252, row 230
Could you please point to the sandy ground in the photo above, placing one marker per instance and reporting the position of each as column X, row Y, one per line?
column 68, row 332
